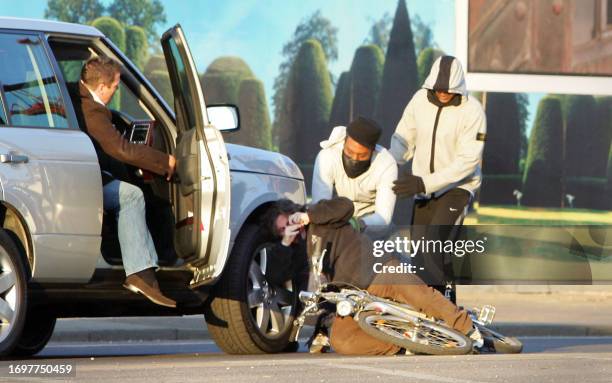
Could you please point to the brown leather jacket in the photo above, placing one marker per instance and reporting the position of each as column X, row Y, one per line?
column 96, row 120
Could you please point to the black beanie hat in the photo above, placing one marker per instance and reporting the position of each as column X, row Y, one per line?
column 365, row 131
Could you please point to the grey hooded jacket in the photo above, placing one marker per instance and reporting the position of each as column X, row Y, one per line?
column 445, row 142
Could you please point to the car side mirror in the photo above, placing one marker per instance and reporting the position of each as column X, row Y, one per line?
column 225, row 118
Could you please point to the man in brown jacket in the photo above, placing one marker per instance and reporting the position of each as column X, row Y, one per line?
column 349, row 260
column 99, row 81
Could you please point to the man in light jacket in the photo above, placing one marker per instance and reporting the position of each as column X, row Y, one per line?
column 352, row 165
column 442, row 131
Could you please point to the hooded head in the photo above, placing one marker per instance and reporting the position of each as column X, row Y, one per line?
column 446, row 75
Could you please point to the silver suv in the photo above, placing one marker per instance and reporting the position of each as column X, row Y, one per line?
column 59, row 253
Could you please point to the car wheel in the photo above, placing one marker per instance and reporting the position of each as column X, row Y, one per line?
column 13, row 294
column 37, row 331
column 246, row 314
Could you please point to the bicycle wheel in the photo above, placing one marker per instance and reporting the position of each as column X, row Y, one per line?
column 499, row 343
column 424, row 337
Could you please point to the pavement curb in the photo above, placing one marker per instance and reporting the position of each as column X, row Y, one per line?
column 138, row 335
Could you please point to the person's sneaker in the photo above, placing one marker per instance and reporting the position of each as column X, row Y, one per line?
column 320, row 344
column 477, row 339
column 145, row 283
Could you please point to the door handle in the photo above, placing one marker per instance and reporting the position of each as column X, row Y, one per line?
column 12, row 158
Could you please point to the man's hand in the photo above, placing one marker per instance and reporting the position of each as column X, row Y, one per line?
column 408, row 185
column 299, row 218
column 291, row 231
column 171, row 167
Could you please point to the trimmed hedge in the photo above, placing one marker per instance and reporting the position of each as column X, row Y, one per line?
column 400, row 78
column 543, row 168
column 136, row 45
column 366, row 76
column 161, row 81
column 308, row 100
column 503, row 147
column 111, row 29
column 254, row 116
column 585, row 150
column 341, row 112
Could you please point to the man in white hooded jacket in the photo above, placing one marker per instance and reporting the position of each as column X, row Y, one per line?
column 352, row 165
column 442, row 131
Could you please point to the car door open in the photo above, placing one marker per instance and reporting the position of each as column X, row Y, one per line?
column 202, row 208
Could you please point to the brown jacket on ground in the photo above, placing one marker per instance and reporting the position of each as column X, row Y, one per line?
column 96, row 120
column 349, row 258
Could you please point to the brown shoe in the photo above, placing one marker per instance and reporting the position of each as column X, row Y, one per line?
column 145, row 283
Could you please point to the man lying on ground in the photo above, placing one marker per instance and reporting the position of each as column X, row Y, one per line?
column 349, row 260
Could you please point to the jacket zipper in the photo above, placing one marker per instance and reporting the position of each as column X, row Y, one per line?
column 433, row 141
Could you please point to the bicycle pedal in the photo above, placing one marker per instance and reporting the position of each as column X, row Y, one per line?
column 486, row 314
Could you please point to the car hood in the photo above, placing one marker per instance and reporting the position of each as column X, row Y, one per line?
column 252, row 160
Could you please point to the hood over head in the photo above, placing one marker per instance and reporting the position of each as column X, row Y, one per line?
column 446, row 75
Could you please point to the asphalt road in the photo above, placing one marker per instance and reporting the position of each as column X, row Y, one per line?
column 557, row 359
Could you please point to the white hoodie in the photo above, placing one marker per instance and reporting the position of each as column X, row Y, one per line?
column 371, row 192
column 444, row 143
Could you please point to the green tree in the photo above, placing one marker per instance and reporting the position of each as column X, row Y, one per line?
column 146, row 14
column 74, row 11
column 366, row 76
column 315, row 26
column 308, row 103
column 425, row 60
column 254, row 118
column 543, row 169
column 400, row 78
column 112, row 29
column 423, row 35
column 379, row 32
column 341, row 112
column 136, row 45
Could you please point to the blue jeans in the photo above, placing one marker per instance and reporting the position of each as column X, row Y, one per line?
column 127, row 202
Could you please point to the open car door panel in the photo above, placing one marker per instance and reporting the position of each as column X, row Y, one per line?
column 203, row 197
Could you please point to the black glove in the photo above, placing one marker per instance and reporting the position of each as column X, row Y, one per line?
column 408, row 185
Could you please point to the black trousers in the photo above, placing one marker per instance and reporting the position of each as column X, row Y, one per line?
column 438, row 219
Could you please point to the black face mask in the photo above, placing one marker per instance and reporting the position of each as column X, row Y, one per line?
column 354, row 168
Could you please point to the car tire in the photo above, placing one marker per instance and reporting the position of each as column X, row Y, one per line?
column 13, row 294
column 236, row 322
column 37, row 330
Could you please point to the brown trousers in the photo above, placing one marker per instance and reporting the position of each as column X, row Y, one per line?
column 349, row 339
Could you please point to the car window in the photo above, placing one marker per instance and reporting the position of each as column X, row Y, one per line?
column 71, row 59
column 183, row 83
column 126, row 101
column 29, row 87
